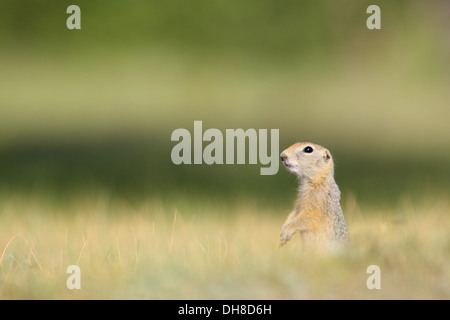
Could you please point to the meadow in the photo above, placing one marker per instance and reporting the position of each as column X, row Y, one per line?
column 206, row 252
column 92, row 184
column 86, row 176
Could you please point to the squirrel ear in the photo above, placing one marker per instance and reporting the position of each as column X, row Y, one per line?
column 327, row 156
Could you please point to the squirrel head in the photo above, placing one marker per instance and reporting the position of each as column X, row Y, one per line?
column 308, row 160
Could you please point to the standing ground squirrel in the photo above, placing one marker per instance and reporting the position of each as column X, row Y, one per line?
column 317, row 214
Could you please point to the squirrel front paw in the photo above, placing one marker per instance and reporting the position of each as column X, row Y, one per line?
column 285, row 234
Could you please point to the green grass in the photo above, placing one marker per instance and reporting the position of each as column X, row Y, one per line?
column 210, row 252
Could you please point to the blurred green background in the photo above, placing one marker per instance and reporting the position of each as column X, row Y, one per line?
column 91, row 111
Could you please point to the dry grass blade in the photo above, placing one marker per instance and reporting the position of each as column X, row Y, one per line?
column 81, row 251
column 173, row 232
column 6, row 247
column 32, row 252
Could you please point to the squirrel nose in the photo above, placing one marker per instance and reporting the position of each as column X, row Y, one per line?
column 283, row 156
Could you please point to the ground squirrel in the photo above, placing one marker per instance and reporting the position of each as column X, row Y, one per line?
column 317, row 214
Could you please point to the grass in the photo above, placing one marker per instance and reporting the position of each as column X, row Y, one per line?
column 94, row 110
column 204, row 252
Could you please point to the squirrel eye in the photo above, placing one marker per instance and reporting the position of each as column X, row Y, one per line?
column 308, row 149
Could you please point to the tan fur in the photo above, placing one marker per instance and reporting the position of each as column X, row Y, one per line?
column 317, row 215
